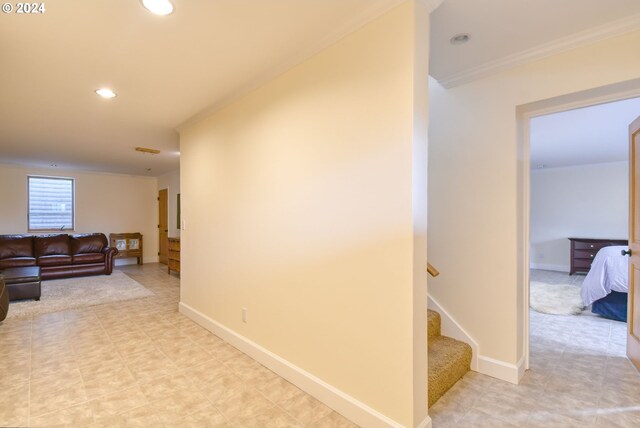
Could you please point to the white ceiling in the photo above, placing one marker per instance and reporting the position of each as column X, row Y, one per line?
column 164, row 70
column 507, row 32
column 595, row 134
column 168, row 69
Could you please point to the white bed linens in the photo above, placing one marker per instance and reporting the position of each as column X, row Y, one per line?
column 609, row 272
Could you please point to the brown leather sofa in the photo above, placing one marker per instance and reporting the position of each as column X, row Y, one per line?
column 59, row 255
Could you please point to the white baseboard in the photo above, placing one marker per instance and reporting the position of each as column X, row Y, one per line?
column 557, row 268
column 485, row 365
column 500, row 370
column 425, row 424
column 134, row 260
column 452, row 329
column 341, row 402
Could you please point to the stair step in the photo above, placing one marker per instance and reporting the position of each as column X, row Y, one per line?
column 449, row 360
column 433, row 324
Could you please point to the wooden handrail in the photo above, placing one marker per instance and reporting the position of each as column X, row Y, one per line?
column 432, row 271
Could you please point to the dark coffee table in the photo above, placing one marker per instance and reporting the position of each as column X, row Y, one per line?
column 22, row 282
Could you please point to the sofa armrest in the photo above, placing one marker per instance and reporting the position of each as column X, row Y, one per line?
column 109, row 256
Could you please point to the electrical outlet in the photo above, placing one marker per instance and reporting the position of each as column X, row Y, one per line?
column 244, row 315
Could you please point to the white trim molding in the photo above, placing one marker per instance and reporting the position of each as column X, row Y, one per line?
column 425, row 424
column 338, row 400
column 375, row 11
column 500, row 370
column 488, row 366
column 452, row 329
column 573, row 41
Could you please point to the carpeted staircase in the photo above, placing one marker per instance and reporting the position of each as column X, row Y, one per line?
column 449, row 359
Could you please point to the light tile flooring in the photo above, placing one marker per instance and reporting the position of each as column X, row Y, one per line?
column 579, row 377
column 140, row 363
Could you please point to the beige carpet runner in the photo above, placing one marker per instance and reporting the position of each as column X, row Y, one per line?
column 72, row 293
column 449, row 359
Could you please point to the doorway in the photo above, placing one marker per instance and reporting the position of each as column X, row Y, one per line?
column 529, row 248
column 579, row 225
column 163, row 225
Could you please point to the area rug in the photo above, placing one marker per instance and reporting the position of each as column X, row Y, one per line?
column 555, row 299
column 72, row 293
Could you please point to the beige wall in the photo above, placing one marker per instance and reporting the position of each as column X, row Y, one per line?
column 589, row 201
column 104, row 203
column 301, row 204
column 171, row 182
column 474, row 190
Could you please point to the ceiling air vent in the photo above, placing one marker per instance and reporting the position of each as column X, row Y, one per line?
column 146, row 150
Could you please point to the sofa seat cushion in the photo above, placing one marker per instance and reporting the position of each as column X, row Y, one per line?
column 17, row 262
column 54, row 260
column 87, row 243
column 88, row 258
column 16, row 246
column 51, row 245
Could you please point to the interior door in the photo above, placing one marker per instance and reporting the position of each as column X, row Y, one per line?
column 163, row 225
column 633, row 316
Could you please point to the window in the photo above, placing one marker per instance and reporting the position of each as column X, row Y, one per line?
column 51, row 203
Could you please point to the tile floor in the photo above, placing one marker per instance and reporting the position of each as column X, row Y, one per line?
column 141, row 363
column 579, row 377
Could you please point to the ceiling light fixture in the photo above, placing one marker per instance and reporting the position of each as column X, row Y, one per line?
column 106, row 93
column 460, row 39
column 159, row 7
column 146, row 150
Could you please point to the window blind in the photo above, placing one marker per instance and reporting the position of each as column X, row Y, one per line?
column 51, row 203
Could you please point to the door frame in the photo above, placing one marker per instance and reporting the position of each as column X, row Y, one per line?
column 524, row 114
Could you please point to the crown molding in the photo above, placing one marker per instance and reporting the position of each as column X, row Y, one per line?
column 576, row 40
column 379, row 9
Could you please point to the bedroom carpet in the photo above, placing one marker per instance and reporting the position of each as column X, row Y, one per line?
column 449, row 359
column 555, row 299
column 72, row 293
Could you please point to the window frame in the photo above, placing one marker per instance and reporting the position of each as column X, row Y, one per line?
column 73, row 203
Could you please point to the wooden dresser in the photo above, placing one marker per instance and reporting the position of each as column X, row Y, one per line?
column 583, row 250
column 173, row 255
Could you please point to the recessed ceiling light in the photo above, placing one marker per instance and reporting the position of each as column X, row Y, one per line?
column 105, row 93
column 460, row 39
column 159, row 7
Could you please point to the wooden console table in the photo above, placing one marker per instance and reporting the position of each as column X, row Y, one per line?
column 128, row 245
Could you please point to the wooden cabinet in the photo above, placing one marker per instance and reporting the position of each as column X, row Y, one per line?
column 583, row 251
column 128, row 245
column 173, row 255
